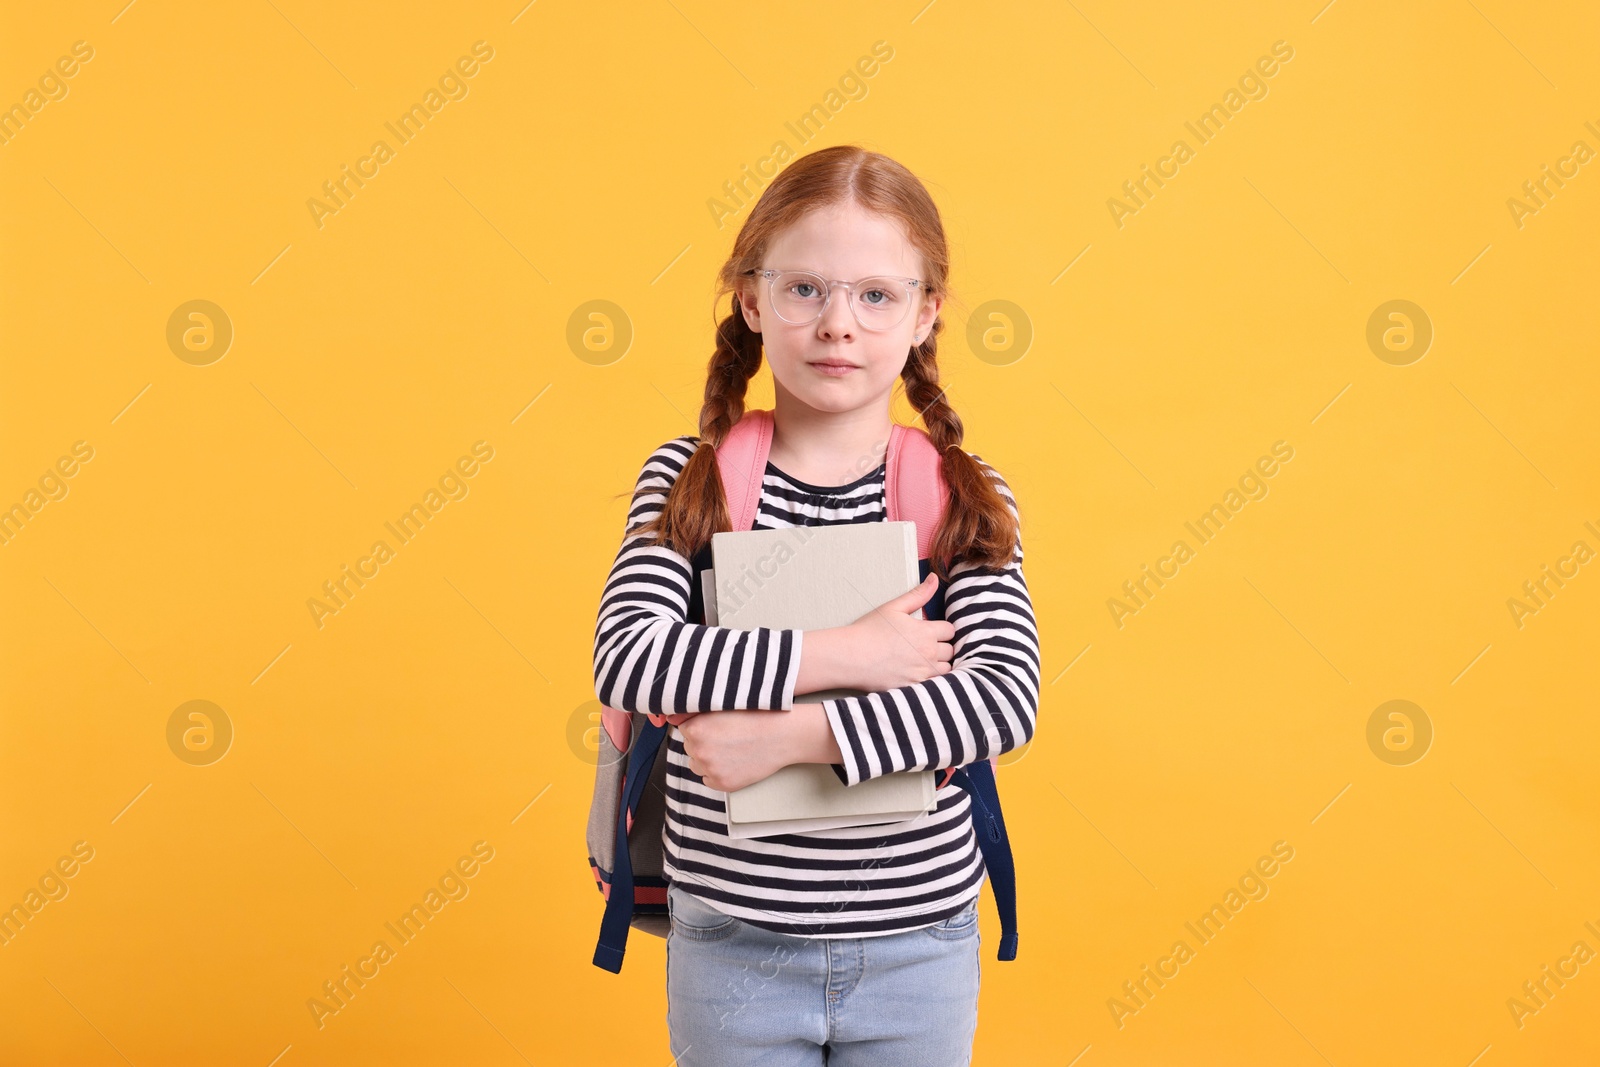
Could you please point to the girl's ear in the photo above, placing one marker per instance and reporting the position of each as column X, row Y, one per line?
column 751, row 310
column 929, row 312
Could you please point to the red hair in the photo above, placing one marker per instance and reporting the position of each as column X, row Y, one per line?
column 978, row 526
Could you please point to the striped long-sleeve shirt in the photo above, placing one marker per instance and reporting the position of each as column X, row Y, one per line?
column 850, row 882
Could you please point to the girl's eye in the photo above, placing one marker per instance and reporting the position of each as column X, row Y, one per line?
column 877, row 297
column 803, row 290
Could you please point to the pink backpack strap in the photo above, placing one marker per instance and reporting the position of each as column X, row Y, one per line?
column 743, row 461
column 914, row 489
column 914, row 485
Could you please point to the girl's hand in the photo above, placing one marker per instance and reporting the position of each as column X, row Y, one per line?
column 890, row 646
column 732, row 749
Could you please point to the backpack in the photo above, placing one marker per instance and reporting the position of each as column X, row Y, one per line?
column 627, row 814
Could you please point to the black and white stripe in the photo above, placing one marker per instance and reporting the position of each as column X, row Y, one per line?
column 852, row 882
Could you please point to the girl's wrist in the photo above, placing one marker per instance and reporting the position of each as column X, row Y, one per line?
column 811, row 737
column 824, row 660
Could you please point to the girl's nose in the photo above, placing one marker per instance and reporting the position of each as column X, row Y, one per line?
column 837, row 320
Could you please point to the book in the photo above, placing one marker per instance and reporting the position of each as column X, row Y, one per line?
column 814, row 578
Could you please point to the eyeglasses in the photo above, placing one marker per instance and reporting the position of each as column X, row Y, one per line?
column 799, row 297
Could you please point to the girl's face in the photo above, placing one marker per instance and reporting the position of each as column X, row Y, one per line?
column 841, row 243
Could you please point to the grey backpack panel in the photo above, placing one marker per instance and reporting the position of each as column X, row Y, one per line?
column 649, row 823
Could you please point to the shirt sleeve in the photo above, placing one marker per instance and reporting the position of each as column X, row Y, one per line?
column 647, row 656
column 985, row 705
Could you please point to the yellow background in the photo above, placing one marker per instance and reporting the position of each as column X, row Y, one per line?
column 428, row 314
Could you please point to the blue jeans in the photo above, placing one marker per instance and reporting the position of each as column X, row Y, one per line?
column 739, row 994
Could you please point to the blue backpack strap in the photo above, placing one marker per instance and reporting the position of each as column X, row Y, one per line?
column 618, row 917
column 619, row 904
column 978, row 780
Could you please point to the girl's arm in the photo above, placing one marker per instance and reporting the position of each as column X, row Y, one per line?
column 987, row 703
column 648, row 657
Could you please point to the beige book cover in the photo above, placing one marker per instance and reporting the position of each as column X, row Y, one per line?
column 813, row 578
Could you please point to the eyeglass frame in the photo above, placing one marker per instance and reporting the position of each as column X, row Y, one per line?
column 770, row 273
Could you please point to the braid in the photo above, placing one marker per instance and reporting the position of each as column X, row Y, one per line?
column 696, row 506
column 733, row 364
column 921, row 376
column 978, row 526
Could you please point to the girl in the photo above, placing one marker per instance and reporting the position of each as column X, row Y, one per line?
column 852, row 946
